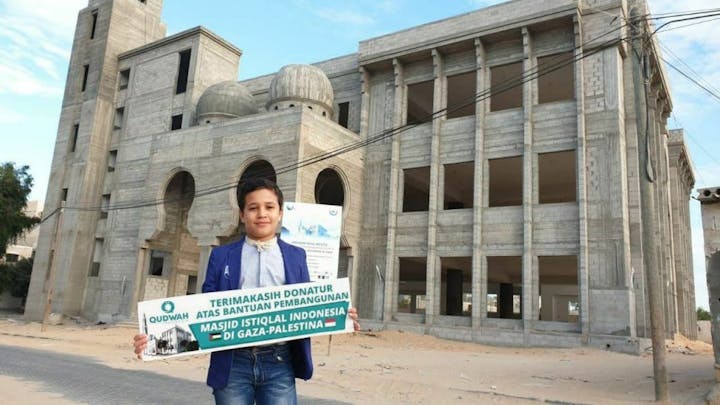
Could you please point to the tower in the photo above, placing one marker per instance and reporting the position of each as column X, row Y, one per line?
column 104, row 29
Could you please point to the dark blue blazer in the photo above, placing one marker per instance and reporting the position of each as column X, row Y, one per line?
column 296, row 271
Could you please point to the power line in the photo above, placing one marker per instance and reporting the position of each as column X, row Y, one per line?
column 531, row 74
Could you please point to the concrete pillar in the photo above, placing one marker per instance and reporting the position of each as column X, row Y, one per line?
column 391, row 262
column 710, row 209
column 435, row 203
column 581, row 185
column 479, row 267
column 529, row 271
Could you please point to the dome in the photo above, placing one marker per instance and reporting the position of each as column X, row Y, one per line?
column 225, row 100
column 303, row 85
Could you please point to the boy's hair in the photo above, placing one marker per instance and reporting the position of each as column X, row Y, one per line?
column 247, row 186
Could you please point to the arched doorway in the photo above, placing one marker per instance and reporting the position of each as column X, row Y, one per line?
column 329, row 188
column 173, row 252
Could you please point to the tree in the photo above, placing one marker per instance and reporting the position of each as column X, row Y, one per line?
column 15, row 185
column 15, row 277
column 703, row 314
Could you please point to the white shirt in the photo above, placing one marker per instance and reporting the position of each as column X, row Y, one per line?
column 262, row 264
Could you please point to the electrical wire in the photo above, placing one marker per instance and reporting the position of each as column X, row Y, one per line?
column 529, row 75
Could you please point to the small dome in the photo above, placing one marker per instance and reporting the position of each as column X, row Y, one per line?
column 301, row 84
column 225, row 100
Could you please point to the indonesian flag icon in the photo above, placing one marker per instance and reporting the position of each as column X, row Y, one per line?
column 330, row 322
column 215, row 336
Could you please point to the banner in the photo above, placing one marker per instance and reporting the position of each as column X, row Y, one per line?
column 223, row 320
column 315, row 228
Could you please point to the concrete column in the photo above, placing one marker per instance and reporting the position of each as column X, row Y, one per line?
column 391, row 271
column 710, row 208
column 202, row 265
column 479, row 267
column 435, row 203
column 529, row 271
column 581, row 154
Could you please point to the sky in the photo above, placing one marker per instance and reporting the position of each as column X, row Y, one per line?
column 36, row 40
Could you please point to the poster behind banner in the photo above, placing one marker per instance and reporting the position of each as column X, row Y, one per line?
column 223, row 320
column 315, row 228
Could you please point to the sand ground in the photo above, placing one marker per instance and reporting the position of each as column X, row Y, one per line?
column 399, row 367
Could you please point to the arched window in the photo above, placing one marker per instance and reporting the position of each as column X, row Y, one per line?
column 262, row 169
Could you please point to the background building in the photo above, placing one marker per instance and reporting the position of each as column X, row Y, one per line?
column 487, row 165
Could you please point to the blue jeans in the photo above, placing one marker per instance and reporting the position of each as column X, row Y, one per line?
column 259, row 376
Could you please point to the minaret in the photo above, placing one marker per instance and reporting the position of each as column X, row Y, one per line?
column 105, row 29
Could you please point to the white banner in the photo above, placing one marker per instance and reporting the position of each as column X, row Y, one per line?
column 224, row 320
column 315, row 228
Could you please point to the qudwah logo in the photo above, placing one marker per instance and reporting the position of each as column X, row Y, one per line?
column 168, row 307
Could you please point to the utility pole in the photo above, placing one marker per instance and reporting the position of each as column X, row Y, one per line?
column 51, row 276
column 646, row 176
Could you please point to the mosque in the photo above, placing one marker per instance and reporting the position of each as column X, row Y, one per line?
column 487, row 165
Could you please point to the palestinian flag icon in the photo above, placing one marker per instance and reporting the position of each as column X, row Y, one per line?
column 215, row 336
column 330, row 322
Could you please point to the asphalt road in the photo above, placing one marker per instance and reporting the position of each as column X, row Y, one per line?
column 84, row 380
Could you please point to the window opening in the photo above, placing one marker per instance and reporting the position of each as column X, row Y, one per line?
column 176, row 122
column 416, row 191
column 504, row 287
column 506, row 181
column 459, row 180
column 183, row 70
column 556, row 177
column 557, row 77
column 420, row 102
column 412, row 285
column 506, row 88
column 461, row 91
column 559, row 290
column 343, row 114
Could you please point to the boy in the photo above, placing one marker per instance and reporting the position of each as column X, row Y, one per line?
column 259, row 374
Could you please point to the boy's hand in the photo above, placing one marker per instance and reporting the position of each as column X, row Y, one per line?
column 352, row 313
column 140, row 343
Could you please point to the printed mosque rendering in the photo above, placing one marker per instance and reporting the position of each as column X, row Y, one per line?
column 487, row 165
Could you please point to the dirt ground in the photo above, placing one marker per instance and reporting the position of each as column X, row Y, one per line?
column 399, row 367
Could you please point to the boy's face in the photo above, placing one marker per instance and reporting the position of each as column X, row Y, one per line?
column 261, row 215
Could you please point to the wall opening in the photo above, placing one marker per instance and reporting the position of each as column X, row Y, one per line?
column 93, row 23
column 505, row 181
column 412, row 285
column 119, row 118
column 183, row 70
column 176, row 122
column 459, row 181
column 559, row 292
column 105, row 207
column 420, row 102
column 461, row 95
column 504, row 287
column 97, row 257
column 64, row 194
column 124, row 79
column 416, row 189
column 74, row 137
column 86, row 69
column 112, row 160
column 157, row 263
column 174, row 254
column 343, row 114
column 506, row 88
column 329, row 188
column 557, row 77
column 456, row 290
column 556, row 177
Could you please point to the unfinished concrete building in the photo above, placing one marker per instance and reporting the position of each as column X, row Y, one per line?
column 487, row 165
